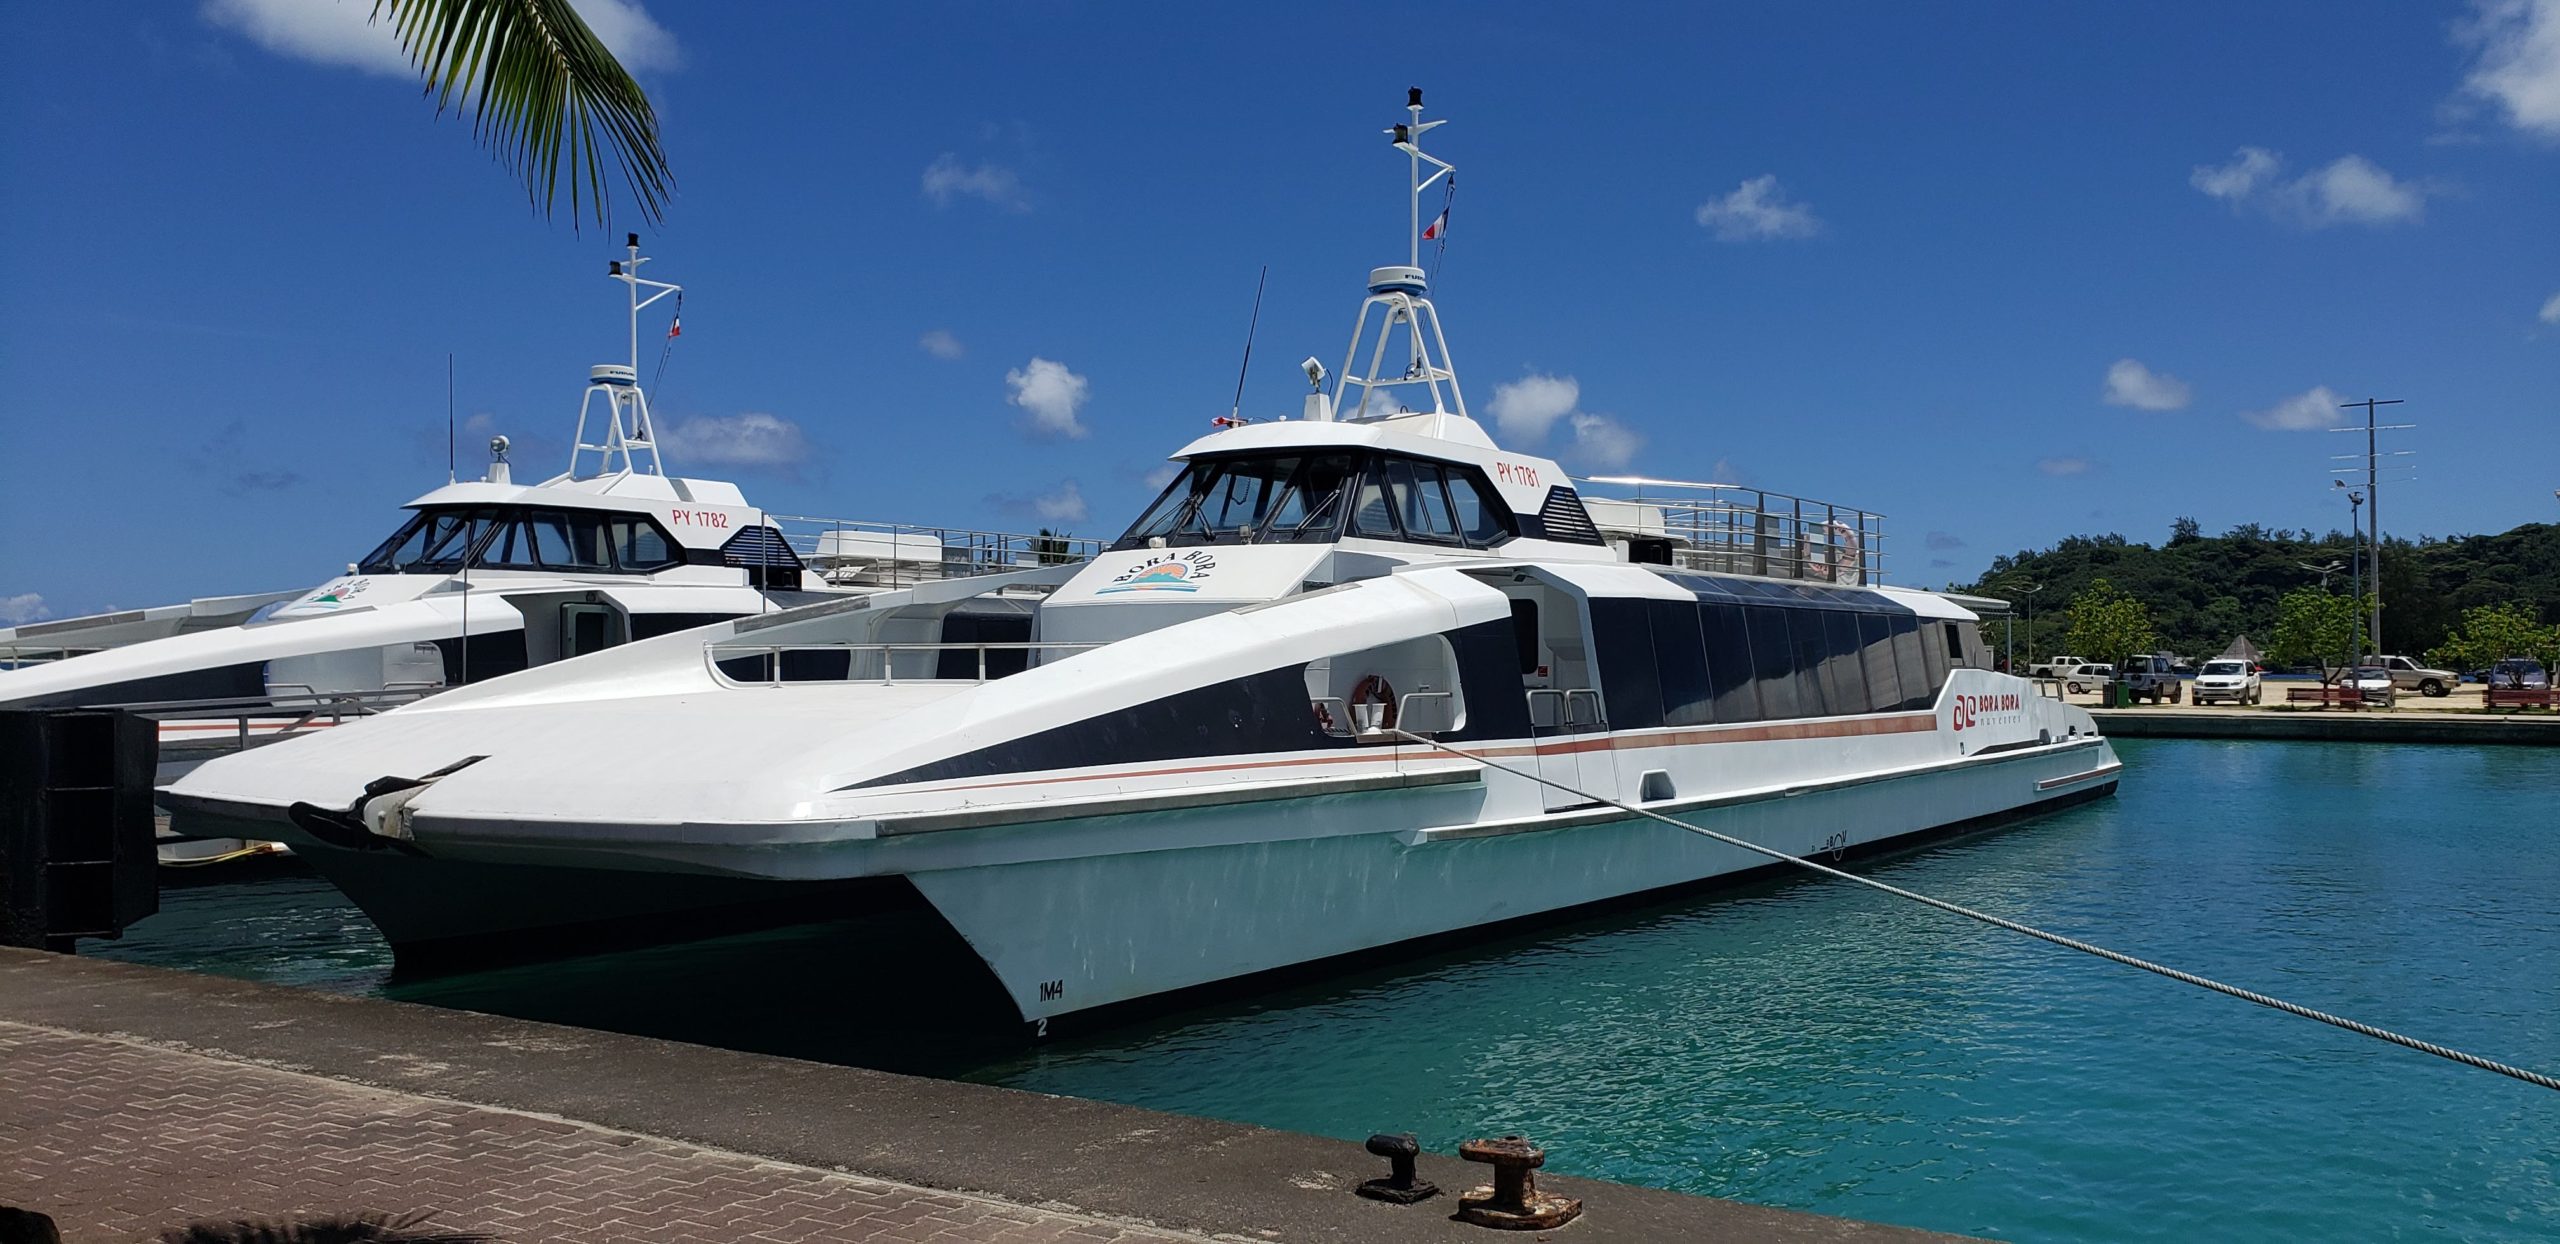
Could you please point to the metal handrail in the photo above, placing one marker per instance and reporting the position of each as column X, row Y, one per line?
column 917, row 554
column 715, row 655
column 1736, row 529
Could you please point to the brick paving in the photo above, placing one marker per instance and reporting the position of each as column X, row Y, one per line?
column 118, row 1140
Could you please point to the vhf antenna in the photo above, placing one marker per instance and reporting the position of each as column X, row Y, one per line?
column 1235, row 411
column 1408, row 139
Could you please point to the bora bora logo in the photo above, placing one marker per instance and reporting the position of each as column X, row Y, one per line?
column 1166, row 572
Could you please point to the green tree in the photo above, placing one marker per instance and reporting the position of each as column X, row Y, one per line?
column 1052, row 548
column 2493, row 632
column 2107, row 625
column 546, row 97
column 2313, row 625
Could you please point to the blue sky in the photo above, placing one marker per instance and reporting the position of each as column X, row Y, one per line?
column 987, row 264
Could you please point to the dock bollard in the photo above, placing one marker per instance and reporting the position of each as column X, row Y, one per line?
column 1399, row 1186
column 1513, row 1202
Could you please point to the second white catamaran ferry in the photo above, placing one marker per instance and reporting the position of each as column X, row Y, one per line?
column 1209, row 760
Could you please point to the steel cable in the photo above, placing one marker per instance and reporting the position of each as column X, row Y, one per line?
column 2116, row 956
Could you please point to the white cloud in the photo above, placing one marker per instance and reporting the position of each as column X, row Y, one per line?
column 1064, row 504
column 1052, row 395
column 1162, row 475
column 1603, row 442
column 2063, row 466
column 941, row 344
column 753, row 439
column 1757, row 211
column 1527, row 408
column 2551, row 310
column 343, row 32
column 2355, row 190
column 2129, row 383
column 2519, row 66
column 2350, row 190
column 2303, row 412
column 947, row 178
column 2250, row 167
column 23, row 607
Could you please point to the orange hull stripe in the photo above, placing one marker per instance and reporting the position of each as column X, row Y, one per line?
column 1842, row 728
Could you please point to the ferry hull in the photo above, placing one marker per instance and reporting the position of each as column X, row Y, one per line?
column 1103, row 910
column 1069, row 934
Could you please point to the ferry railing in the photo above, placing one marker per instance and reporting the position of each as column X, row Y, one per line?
column 15, row 656
column 300, row 707
column 1735, row 529
column 855, row 553
column 873, row 664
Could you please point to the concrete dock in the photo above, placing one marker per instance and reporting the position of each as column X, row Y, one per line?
column 139, row 1099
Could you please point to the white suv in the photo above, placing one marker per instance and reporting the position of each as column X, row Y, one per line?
column 2228, row 678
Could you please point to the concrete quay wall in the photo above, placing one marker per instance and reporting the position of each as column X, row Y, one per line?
column 2330, row 725
column 141, row 1097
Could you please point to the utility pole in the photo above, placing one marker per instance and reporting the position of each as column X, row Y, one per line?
column 2373, row 494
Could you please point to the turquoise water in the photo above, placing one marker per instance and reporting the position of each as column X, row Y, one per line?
column 1811, row 1045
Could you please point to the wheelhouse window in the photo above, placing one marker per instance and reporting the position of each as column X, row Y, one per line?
column 513, row 538
column 1314, row 498
column 1278, row 499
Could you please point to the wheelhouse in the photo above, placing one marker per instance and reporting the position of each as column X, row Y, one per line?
column 1318, row 496
column 445, row 539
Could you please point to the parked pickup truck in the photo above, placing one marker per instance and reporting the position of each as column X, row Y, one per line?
column 2151, row 676
column 2056, row 667
column 2408, row 675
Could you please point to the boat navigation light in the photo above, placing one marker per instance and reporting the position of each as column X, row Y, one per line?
column 498, row 448
column 613, row 267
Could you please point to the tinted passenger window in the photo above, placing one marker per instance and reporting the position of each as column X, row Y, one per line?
column 1811, row 648
column 1729, row 661
column 1919, row 690
column 1844, row 677
column 1628, row 680
column 1680, row 658
column 1875, row 659
column 1773, row 658
column 1934, row 653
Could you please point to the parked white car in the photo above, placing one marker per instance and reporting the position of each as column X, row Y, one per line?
column 2228, row 680
column 2376, row 682
column 2056, row 667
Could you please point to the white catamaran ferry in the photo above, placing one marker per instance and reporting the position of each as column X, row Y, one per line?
column 488, row 577
column 1349, row 682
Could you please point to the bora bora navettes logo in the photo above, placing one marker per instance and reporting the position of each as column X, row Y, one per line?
column 1164, row 572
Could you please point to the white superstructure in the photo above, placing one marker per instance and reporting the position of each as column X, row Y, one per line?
column 490, row 576
column 1195, row 769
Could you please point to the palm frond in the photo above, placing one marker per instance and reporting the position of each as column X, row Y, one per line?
column 547, row 98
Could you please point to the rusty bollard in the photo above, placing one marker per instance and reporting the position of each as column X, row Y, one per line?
column 1513, row 1202
column 1399, row 1186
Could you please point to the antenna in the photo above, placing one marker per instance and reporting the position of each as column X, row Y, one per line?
column 448, row 416
column 1408, row 139
column 627, row 427
column 1235, row 411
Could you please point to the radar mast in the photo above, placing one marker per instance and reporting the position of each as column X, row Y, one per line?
column 1398, row 295
column 626, row 432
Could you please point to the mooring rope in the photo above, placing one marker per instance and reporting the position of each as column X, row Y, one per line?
column 2117, row 956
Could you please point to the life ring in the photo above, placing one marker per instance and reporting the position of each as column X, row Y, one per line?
column 1375, row 689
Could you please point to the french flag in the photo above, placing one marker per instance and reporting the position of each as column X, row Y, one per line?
column 1439, row 225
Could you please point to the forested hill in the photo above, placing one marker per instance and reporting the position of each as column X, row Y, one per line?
column 2202, row 590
